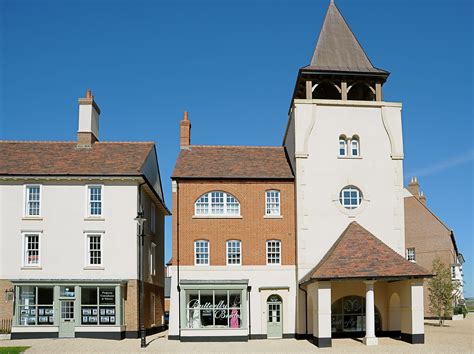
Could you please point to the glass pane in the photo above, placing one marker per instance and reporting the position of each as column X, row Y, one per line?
column 207, row 306
column 106, row 296
column 67, row 291
column 45, row 296
column 27, row 295
column 89, row 296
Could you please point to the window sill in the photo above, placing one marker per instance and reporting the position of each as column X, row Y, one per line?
column 93, row 218
column 350, row 157
column 94, row 268
column 32, row 218
column 273, row 216
column 217, row 217
column 31, row 268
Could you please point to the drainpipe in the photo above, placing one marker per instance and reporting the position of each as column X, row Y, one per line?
column 177, row 259
column 249, row 289
column 305, row 309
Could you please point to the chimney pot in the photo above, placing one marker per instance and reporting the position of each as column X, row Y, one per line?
column 88, row 93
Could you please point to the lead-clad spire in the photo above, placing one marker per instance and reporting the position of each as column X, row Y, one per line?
column 338, row 49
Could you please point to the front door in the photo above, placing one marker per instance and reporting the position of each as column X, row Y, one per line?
column 67, row 322
column 274, row 319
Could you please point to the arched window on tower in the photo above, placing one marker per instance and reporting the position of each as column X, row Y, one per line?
column 342, row 146
column 326, row 90
column 361, row 92
column 355, row 149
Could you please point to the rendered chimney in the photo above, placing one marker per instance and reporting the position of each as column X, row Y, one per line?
column 185, row 132
column 89, row 112
column 414, row 187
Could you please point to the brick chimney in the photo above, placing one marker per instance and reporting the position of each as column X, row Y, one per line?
column 89, row 111
column 414, row 188
column 185, row 132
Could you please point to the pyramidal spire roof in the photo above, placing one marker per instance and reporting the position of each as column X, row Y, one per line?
column 338, row 49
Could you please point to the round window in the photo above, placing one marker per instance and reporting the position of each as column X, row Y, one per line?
column 350, row 197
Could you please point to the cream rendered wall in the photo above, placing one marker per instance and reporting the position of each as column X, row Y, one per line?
column 63, row 223
column 320, row 174
column 258, row 276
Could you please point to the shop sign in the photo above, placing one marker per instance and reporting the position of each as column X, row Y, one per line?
column 220, row 309
column 107, row 296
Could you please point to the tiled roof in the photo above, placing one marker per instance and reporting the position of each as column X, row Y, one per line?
column 338, row 49
column 232, row 162
column 359, row 254
column 65, row 158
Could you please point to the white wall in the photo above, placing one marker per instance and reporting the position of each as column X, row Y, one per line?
column 320, row 174
column 258, row 276
column 63, row 223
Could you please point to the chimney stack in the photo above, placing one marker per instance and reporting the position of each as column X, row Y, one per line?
column 422, row 198
column 89, row 111
column 185, row 132
column 414, row 187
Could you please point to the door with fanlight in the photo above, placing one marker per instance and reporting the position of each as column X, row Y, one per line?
column 274, row 317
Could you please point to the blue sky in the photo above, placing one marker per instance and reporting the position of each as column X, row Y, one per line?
column 233, row 65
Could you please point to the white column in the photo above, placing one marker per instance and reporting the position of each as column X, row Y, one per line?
column 321, row 299
column 370, row 338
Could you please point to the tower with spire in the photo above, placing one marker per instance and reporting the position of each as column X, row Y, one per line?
column 345, row 146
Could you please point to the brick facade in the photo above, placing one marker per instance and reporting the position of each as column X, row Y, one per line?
column 6, row 301
column 252, row 229
column 429, row 237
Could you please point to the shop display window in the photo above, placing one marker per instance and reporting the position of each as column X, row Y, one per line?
column 98, row 306
column 213, row 308
column 35, row 305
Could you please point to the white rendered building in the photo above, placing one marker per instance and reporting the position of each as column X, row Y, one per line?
column 69, row 250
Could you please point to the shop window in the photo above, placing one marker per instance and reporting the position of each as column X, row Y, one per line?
column 216, row 204
column 35, row 306
column 272, row 202
column 213, row 309
column 348, row 315
column 98, row 306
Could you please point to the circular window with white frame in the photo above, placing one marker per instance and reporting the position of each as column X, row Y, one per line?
column 350, row 197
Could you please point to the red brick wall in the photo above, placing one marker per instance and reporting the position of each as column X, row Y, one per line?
column 253, row 230
column 429, row 237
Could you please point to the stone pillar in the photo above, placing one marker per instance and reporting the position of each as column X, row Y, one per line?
column 309, row 90
column 344, row 90
column 378, row 91
column 370, row 338
column 413, row 330
column 320, row 293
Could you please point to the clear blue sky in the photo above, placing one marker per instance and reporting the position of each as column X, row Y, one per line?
column 233, row 65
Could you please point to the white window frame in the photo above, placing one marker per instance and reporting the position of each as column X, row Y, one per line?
column 225, row 210
column 87, row 235
column 228, row 247
column 411, row 254
column 350, row 189
column 152, row 259
column 268, row 209
column 344, row 141
column 356, row 141
column 453, row 272
column 24, row 258
column 26, row 212
column 267, row 253
column 153, row 218
column 88, row 200
column 208, row 253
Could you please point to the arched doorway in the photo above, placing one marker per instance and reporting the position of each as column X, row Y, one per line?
column 274, row 316
column 348, row 317
column 394, row 315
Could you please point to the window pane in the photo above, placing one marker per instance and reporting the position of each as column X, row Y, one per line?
column 217, row 203
column 273, row 252
column 350, row 197
column 272, row 203
column 95, row 200
column 233, row 252
column 201, row 249
column 32, row 250
column 202, row 205
column 89, row 296
column 95, row 249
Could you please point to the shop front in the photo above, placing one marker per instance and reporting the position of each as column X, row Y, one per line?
column 68, row 309
column 213, row 311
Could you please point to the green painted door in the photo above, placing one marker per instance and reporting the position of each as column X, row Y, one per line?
column 274, row 319
column 67, row 322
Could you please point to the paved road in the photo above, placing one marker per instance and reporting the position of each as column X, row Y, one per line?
column 455, row 337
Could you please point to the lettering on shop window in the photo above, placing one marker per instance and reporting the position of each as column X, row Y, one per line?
column 220, row 309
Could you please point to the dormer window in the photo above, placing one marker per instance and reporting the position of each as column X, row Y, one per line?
column 217, row 203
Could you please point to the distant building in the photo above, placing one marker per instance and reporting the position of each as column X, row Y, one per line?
column 69, row 249
column 427, row 237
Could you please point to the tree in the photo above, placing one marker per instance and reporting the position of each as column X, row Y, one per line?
column 441, row 290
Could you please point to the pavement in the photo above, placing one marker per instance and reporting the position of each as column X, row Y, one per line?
column 454, row 337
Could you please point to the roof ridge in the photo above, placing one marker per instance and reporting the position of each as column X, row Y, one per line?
column 73, row 142
column 239, row 146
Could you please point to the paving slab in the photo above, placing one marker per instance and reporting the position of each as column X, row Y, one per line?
column 454, row 337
